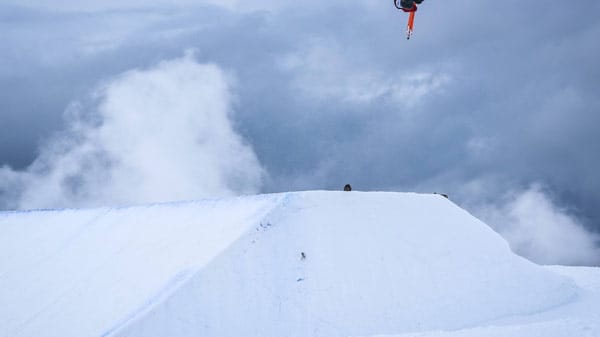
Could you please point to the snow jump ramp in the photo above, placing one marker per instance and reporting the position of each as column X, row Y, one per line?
column 294, row 264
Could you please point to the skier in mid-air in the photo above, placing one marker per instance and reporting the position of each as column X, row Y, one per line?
column 409, row 6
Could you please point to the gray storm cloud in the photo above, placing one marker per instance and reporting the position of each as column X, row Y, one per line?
column 157, row 134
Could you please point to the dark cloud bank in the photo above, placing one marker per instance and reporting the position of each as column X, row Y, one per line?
column 495, row 106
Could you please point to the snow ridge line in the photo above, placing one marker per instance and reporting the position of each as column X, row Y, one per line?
column 165, row 292
column 179, row 280
column 282, row 203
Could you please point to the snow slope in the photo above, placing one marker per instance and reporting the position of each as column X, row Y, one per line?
column 295, row 264
column 579, row 318
column 79, row 273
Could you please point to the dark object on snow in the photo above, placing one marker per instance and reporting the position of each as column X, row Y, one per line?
column 347, row 188
column 443, row 195
column 302, row 256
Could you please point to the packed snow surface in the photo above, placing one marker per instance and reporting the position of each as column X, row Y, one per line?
column 294, row 264
column 579, row 318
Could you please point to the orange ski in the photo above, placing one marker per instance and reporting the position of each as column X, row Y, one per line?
column 411, row 24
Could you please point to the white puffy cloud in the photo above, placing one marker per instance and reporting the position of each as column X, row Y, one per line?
column 157, row 134
column 541, row 231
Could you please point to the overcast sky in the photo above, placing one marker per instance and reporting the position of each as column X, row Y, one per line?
column 495, row 103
